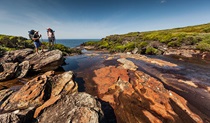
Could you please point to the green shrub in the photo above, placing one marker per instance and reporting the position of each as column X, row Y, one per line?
column 66, row 50
column 151, row 51
column 150, row 36
column 174, row 44
column 13, row 41
column 133, row 34
column 120, row 48
column 203, row 46
column 142, row 44
column 206, row 30
column 165, row 37
column 61, row 47
column 130, row 46
column 206, row 39
column 6, row 49
column 25, row 44
column 103, row 44
column 90, row 43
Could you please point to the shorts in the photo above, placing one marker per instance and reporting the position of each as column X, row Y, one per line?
column 37, row 44
column 51, row 39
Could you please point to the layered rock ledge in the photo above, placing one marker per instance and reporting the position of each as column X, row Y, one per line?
column 137, row 97
column 49, row 98
column 18, row 63
column 188, row 53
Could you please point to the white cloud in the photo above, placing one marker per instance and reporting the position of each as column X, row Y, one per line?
column 163, row 1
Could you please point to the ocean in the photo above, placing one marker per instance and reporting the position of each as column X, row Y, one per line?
column 73, row 42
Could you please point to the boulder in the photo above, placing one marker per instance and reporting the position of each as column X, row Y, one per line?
column 20, row 62
column 135, row 50
column 9, row 71
column 63, row 84
column 49, row 60
column 127, row 64
column 205, row 55
column 16, row 55
column 24, row 67
column 14, row 70
column 76, row 108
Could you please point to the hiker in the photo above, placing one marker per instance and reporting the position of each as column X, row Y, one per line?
column 37, row 42
column 51, row 38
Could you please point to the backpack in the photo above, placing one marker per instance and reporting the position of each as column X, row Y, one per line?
column 31, row 33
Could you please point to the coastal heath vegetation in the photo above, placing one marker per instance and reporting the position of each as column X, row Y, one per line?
column 155, row 42
column 9, row 43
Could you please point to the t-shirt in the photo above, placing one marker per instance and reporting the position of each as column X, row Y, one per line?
column 50, row 34
column 36, row 36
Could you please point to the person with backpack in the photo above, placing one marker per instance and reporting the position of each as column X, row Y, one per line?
column 51, row 38
column 37, row 42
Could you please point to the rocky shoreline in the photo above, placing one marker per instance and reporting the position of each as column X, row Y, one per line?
column 132, row 94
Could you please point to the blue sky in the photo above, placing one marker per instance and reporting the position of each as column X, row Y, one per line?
column 99, row 18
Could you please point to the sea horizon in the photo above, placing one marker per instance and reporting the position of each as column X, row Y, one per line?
column 72, row 42
column 74, row 39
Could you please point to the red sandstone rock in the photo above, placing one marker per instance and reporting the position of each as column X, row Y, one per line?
column 108, row 76
column 41, row 91
column 141, row 98
column 50, row 98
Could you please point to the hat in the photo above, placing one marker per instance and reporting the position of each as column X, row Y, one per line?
column 48, row 28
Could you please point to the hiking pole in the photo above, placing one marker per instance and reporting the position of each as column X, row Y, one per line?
column 42, row 42
column 41, row 39
column 54, row 42
column 25, row 44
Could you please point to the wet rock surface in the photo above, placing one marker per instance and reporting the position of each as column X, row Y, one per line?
column 138, row 97
column 157, row 90
column 183, row 77
column 187, row 77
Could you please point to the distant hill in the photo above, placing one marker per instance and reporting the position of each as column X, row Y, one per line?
column 155, row 42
